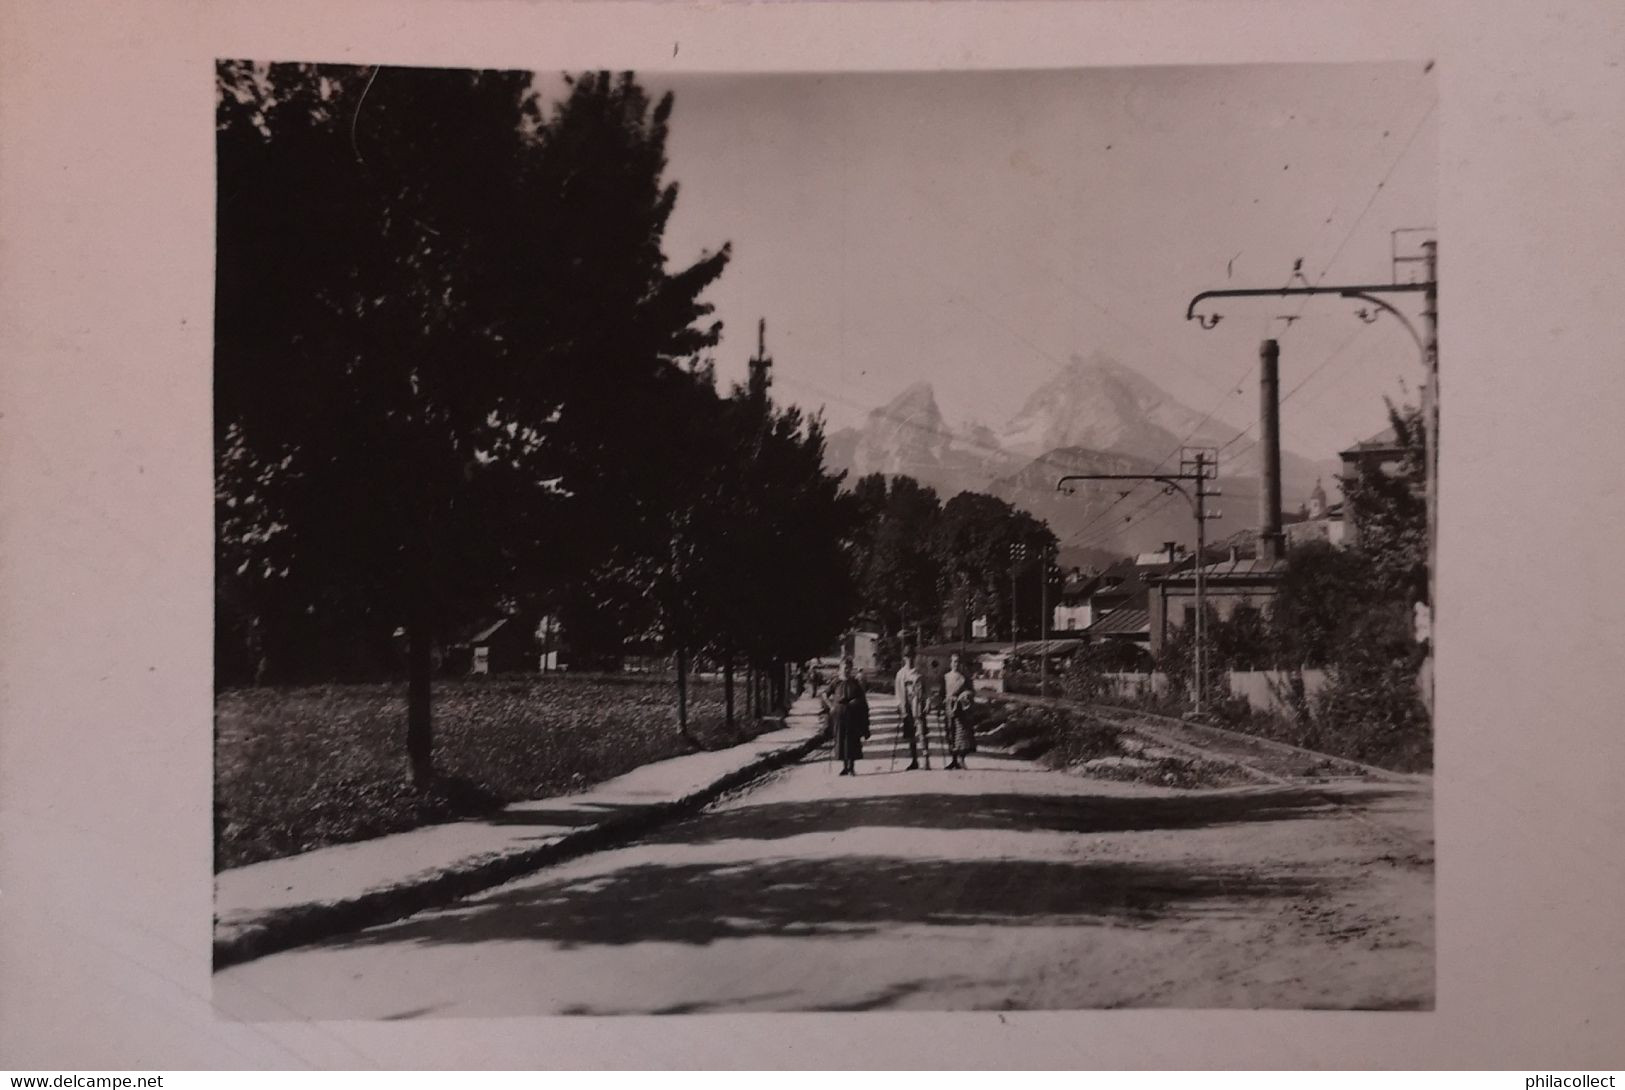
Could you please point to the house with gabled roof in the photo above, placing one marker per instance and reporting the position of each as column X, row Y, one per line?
column 1088, row 600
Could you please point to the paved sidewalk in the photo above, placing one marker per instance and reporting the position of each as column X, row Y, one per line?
column 280, row 903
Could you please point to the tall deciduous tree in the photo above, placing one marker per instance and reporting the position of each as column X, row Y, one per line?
column 1389, row 505
column 972, row 548
column 897, row 568
column 440, row 308
column 773, row 573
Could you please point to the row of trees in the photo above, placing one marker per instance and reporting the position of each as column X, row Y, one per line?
column 925, row 565
column 455, row 370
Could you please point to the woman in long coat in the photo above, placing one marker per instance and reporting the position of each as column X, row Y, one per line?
column 957, row 696
column 848, row 717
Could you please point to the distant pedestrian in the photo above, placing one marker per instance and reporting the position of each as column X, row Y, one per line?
column 848, row 717
column 957, row 698
column 909, row 687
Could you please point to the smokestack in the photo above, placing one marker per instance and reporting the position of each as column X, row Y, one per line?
column 1271, row 542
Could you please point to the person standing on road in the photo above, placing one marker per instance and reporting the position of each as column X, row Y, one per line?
column 957, row 698
column 848, row 717
column 909, row 688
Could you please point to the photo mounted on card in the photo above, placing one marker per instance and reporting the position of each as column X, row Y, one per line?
column 839, row 541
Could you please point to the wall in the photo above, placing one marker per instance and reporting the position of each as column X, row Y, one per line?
column 1222, row 597
column 1263, row 688
column 865, row 648
column 1134, row 686
column 1071, row 618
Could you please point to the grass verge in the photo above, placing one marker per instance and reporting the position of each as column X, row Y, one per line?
column 299, row 768
column 1077, row 742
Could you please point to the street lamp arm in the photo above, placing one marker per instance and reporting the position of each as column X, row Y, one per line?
column 1387, row 307
column 1364, row 291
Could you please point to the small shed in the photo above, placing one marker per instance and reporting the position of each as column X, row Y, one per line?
column 507, row 645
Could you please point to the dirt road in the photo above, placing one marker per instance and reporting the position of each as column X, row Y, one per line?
column 1004, row 887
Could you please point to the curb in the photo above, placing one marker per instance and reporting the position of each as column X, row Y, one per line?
column 306, row 924
column 1375, row 772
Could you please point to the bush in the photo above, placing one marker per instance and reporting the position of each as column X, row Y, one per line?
column 1084, row 678
column 1371, row 708
column 1056, row 737
column 1025, row 678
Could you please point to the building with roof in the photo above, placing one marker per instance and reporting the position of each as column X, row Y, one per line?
column 861, row 644
column 505, row 645
column 1228, row 585
column 1129, row 624
column 1318, row 520
column 1087, row 600
column 1383, row 453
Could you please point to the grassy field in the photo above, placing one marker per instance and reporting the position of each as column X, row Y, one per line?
column 302, row 767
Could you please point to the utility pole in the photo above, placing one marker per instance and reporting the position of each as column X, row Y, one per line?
column 1202, row 464
column 1197, row 466
column 1162, row 587
column 1428, row 347
column 964, row 619
column 761, row 366
column 1018, row 556
column 1430, row 424
column 1043, row 621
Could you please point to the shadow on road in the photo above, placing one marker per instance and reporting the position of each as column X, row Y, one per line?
column 1068, row 813
column 842, row 896
column 566, row 816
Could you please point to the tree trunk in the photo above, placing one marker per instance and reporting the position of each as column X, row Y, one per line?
column 419, row 721
column 682, row 690
column 728, row 688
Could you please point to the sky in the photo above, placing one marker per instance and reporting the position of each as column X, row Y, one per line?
column 977, row 229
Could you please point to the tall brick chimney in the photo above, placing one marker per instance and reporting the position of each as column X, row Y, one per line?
column 1271, row 541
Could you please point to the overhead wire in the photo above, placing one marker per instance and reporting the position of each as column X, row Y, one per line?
column 1325, row 270
column 1231, row 390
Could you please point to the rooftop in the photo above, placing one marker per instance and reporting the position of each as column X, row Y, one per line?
column 1385, row 440
column 1122, row 622
column 1244, row 568
column 1048, row 647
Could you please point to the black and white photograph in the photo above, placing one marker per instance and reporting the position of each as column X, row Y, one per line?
column 948, row 541
column 543, row 539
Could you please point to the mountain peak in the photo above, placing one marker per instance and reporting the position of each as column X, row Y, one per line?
column 1096, row 402
column 1098, row 360
column 919, row 397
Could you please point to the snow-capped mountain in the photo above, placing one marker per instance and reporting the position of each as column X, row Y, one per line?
column 1099, row 404
column 1095, row 415
column 908, row 436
